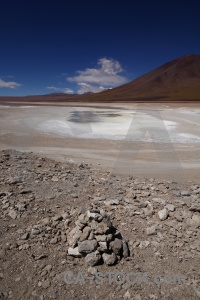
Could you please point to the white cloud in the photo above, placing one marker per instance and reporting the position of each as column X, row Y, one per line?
column 62, row 90
column 106, row 74
column 85, row 88
column 9, row 84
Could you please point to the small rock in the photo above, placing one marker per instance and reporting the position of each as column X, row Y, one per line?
column 25, row 236
column 48, row 268
column 55, row 179
column 127, row 295
column 74, row 236
column 195, row 207
column 86, row 233
column 93, row 258
column 129, row 201
column 185, row 193
column 87, row 246
column 92, row 270
column 55, row 240
column 170, row 207
column 197, row 292
column 112, row 202
column 159, row 200
column 195, row 220
column 101, row 238
column 125, row 249
column 57, row 218
column 83, row 219
column 102, row 227
column 117, row 246
column 74, row 252
column 93, row 215
column 144, row 244
column 103, row 246
column 109, row 259
column 103, row 213
column 12, row 214
column 46, row 284
column 35, row 231
column 151, row 230
column 74, row 195
column 163, row 214
column 20, row 207
column 39, row 257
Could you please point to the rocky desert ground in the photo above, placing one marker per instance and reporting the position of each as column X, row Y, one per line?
column 74, row 229
column 43, row 201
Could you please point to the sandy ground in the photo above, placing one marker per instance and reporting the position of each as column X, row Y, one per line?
column 156, row 140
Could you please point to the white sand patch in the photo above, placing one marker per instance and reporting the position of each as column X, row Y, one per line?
column 169, row 124
column 4, row 106
column 55, row 126
column 125, row 125
column 188, row 138
column 192, row 112
column 113, row 124
column 27, row 106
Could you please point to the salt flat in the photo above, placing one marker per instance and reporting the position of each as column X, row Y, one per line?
column 159, row 139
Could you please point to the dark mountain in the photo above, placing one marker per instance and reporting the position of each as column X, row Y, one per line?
column 176, row 80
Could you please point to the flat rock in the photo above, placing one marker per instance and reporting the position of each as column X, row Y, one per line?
column 94, row 216
column 74, row 252
column 195, row 207
column 144, row 244
column 112, row 202
column 185, row 193
column 159, row 201
column 87, row 246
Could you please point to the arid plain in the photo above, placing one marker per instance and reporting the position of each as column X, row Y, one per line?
column 159, row 140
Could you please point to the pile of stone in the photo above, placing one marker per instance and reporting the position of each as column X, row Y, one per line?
column 95, row 239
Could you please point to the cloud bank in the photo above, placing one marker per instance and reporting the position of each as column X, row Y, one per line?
column 85, row 88
column 61, row 90
column 105, row 76
column 9, row 84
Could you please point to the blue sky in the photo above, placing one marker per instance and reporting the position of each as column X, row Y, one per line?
column 90, row 45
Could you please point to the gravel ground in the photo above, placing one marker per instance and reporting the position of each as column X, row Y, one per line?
column 43, row 200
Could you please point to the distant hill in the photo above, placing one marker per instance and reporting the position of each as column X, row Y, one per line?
column 176, row 80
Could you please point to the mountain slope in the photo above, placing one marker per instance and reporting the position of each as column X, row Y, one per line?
column 175, row 80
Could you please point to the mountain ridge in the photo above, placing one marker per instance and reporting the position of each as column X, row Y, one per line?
column 176, row 80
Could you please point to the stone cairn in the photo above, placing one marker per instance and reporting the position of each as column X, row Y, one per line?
column 95, row 238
